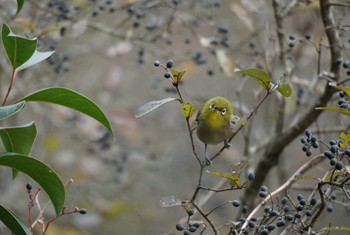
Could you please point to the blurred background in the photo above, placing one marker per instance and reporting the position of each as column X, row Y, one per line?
column 105, row 49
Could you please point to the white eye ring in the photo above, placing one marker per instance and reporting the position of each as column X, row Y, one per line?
column 211, row 106
column 223, row 111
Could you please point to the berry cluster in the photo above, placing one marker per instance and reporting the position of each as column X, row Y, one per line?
column 190, row 227
column 343, row 101
column 345, row 64
column 293, row 40
column 335, row 155
column 309, row 141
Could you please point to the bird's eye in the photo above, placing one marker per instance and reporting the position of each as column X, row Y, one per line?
column 223, row 111
column 211, row 106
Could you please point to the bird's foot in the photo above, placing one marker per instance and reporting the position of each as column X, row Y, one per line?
column 208, row 162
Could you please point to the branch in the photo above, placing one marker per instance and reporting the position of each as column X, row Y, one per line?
column 276, row 145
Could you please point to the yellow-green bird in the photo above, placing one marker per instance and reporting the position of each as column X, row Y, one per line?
column 216, row 123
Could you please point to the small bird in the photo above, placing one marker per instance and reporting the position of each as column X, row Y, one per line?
column 216, row 123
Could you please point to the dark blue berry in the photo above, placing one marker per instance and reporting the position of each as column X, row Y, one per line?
column 341, row 101
column 291, row 37
column 305, row 147
column 186, row 232
column 333, row 196
column 190, row 212
column 251, row 176
column 289, row 217
column 308, row 133
column 341, row 94
column 333, row 161
column 263, row 188
column 262, row 194
column 300, row 197
column 284, row 200
column 300, row 208
column 82, row 211
column 297, row 215
column 339, row 61
column 156, row 63
column 29, row 186
column 329, row 154
column 308, row 36
column 236, row 203
column 264, row 231
column 313, row 201
column 345, row 65
column 338, row 165
column 303, row 140
column 315, row 145
column 281, row 222
column 313, row 139
column 244, row 209
column 251, row 224
column 167, row 75
column 344, row 106
column 308, row 153
column 329, row 207
column 267, row 209
column 271, row 227
column 308, row 212
column 286, row 209
column 334, row 149
column 192, row 229
column 347, row 152
column 169, row 64
column 302, row 202
column 179, row 227
column 291, row 44
column 273, row 213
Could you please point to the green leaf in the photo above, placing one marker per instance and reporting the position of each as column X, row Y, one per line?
column 9, row 110
column 18, row 49
column 35, row 58
column 259, row 75
column 346, row 139
column 284, row 89
column 13, row 222
column 304, row 177
column 234, row 178
column 342, row 88
column 335, row 109
column 19, row 5
column 21, row 51
column 335, row 228
column 70, row 99
column 18, row 139
column 188, row 110
column 152, row 105
column 41, row 173
column 177, row 75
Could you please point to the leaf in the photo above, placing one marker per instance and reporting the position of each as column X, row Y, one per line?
column 13, row 222
column 9, row 110
column 346, row 139
column 18, row 49
column 188, row 110
column 332, row 175
column 41, row 173
column 234, row 178
column 177, row 75
column 304, row 177
column 259, row 75
column 342, row 88
column 335, row 109
column 35, row 58
column 335, row 228
column 18, row 139
column 284, row 89
column 169, row 201
column 152, row 105
column 70, row 99
column 19, row 5
column 21, row 51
